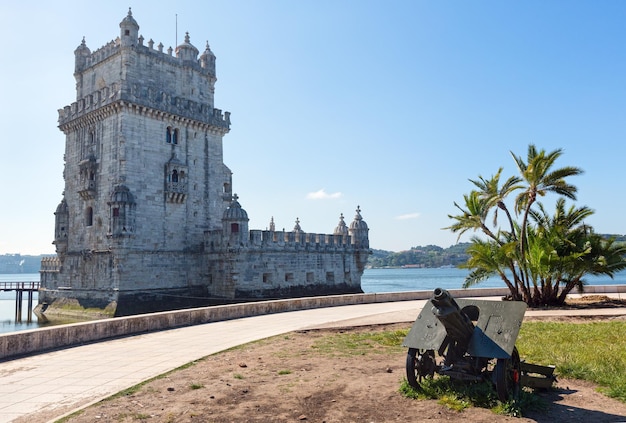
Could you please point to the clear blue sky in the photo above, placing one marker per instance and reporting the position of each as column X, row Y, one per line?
column 390, row 105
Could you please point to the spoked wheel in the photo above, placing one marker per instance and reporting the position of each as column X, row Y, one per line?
column 420, row 364
column 508, row 374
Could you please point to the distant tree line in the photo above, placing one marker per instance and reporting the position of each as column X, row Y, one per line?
column 428, row 256
column 435, row 256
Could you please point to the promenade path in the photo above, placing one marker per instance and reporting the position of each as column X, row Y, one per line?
column 48, row 386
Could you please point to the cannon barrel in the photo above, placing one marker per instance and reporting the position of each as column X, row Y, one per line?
column 459, row 327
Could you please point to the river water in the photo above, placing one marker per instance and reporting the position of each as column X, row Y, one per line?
column 373, row 281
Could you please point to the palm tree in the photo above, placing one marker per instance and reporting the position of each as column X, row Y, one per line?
column 473, row 216
column 540, row 180
column 545, row 256
column 494, row 194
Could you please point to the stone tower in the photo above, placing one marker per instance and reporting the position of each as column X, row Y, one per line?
column 144, row 172
column 148, row 220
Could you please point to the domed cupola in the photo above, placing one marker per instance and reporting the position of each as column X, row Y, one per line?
column 359, row 230
column 235, row 223
column 186, row 51
column 207, row 60
column 81, row 54
column 61, row 227
column 342, row 228
column 129, row 30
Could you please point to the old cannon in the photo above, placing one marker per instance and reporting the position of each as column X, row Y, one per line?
column 474, row 339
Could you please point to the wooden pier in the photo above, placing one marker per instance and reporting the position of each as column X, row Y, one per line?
column 20, row 288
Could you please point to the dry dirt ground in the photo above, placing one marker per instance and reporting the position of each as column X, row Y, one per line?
column 298, row 378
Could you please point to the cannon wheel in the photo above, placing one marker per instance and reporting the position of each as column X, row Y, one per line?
column 508, row 374
column 420, row 364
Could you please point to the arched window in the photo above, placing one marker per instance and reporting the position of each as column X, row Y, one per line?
column 168, row 135
column 175, row 137
column 89, row 216
column 174, row 175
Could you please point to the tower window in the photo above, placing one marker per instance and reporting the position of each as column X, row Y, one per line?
column 171, row 135
column 174, row 175
column 126, row 32
column 234, row 228
column 89, row 216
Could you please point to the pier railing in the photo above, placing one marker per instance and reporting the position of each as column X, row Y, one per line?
column 20, row 288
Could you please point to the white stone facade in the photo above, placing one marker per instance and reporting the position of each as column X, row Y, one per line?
column 148, row 210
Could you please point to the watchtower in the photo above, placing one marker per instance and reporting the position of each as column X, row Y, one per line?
column 144, row 172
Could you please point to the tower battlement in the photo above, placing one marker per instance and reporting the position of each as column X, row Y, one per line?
column 162, row 103
column 281, row 240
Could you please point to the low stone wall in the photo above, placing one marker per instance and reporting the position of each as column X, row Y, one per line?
column 45, row 339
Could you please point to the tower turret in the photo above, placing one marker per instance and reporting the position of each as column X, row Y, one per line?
column 129, row 30
column 207, row 60
column 235, row 223
column 61, row 227
column 342, row 228
column 81, row 54
column 359, row 230
column 186, row 51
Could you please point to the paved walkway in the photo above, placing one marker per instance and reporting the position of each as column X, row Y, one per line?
column 48, row 386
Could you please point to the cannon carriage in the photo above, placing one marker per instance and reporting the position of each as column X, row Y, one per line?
column 471, row 340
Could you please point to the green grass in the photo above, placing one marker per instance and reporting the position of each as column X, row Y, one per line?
column 284, row 372
column 350, row 344
column 459, row 395
column 594, row 351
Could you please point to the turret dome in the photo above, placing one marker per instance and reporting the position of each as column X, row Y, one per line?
column 129, row 21
column 62, row 208
column 358, row 224
column 207, row 59
column 342, row 228
column 234, row 211
column 129, row 30
column 186, row 50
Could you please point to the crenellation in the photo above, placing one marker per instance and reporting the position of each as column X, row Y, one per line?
column 160, row 103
